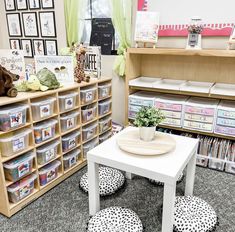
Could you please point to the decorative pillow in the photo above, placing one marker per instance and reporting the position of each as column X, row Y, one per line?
column 110, row 181
column 115, row 219
column 193, row 214
column 159, row 183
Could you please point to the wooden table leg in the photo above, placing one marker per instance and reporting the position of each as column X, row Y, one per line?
column 190, row 176
column 93, row 183
column 168, row 207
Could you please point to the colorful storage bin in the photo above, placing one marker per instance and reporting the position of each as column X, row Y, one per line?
column 88, row 146
column 47, row 152
column 69, row 120
column 70, row 141
column 44, row 130
column 105, row 136
column 104, row 90
column 88, row 94
column 21, row 189
column 89, row 113
column 67, row 101
column 89, row 131
column 14, row 142
column 105, row 124
column 19, row 167
column 49, row 172
column 43, row 108
column 104, row 107
column 13, row 116
column 71, row 159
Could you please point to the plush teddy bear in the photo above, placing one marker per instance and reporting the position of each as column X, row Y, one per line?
column 7, row 87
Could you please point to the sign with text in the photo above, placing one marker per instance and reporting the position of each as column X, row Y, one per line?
column 61, row 66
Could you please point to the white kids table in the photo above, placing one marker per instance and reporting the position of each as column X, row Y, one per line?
column 165, row 168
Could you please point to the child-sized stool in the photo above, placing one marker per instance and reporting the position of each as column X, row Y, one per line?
column 115, row 219
column 110, row 180
column 194, row 214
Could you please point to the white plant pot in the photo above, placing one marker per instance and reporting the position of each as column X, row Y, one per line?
column 147, row 133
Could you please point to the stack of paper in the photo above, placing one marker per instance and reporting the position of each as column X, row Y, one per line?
column 197, row 87
column 169, row 84
column 145, row 82
column 223, row 89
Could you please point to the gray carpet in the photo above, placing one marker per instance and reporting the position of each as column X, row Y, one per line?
column 65, row 208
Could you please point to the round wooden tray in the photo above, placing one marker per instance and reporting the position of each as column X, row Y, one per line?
column 131, row 142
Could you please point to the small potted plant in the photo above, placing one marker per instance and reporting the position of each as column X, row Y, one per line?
column 147, row 118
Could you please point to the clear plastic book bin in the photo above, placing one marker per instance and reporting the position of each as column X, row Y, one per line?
column 70, row 141
column 104, row 90
column 71, row 159
column 69, row 121
column 88, row 94
column 67, row 101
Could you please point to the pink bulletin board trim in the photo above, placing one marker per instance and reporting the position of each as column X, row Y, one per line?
column 142, row 5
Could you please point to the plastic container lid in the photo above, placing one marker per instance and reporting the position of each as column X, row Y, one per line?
column 49, row 166
column 104, row 102
column 45, row 124
column 87, row 89
column 72, row 154
column 67, row 116
column 42, row 102
column 19, row 184
column 13, row 108
column 48, row 146
column 90, row 127
column 71, row 135
column 14, row 135
column 16, row 162
column 104, row 85
column 66, row 95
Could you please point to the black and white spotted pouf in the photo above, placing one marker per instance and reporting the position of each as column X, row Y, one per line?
column 115, row 219
column 193, row 214
column 110, row 180
column 159, row 183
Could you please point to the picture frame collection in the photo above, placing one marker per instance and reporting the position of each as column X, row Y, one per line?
column 32, row 31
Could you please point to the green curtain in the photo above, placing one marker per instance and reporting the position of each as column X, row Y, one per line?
column 122, row 17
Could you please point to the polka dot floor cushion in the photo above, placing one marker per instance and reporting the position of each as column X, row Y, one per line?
column 110, row 181
column 155, row 182
column 193, row 214
column 115, row 219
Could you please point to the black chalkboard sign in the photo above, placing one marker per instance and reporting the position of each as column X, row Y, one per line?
column 102, row 34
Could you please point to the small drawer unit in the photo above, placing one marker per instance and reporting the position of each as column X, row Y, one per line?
column 202, row 161
column 104, row 107
column 13, row 116
column 21, row 189
column 70, row 140
column 68, row 101
column 49, row 172
column 88, row 94
column 71, row 159
column 200, row 114
column 88, row 146
column 47, row 152
column 105, row 124
column 15, row 142
column 104, row 90
column 230, row 167
column 44, row 130
column 89, row 131
column 216, row 164
column 19, row 167
column 105, row 136
column 69, row 120
column 89, row 113
column 43, row 108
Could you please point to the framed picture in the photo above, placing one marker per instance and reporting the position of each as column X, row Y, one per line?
column 21, row 4
column 34, row 4
column 30, row 24
column 27, row 47
column 14, row 44
column 47, row 4
column 10, row 5
column 38, row 47
column 51, row 47
column 14, row 25
column 47, row 24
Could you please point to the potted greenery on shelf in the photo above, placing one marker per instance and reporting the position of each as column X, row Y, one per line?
column 147, row 118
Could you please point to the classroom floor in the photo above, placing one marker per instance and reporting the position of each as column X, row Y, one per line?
column 65, row 208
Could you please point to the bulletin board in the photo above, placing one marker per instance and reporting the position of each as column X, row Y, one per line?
column 218, row 16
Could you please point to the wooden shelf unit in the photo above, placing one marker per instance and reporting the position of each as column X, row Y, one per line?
column 7, row 208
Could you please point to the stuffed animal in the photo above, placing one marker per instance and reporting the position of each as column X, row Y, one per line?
column 7, row 87
column 34, row 84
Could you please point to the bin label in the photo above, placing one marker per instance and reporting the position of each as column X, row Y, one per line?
column 23, row 169
column 89, row 96
column 46, row 133
column 50, row 154
column 45, row 111
column 51, row 175
column 16, row 119
column 25, row 191
column 72, row 161
column 70, row 123
column 18, row 144
column 104, row 92
column 68, row 103
column 72, row 143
